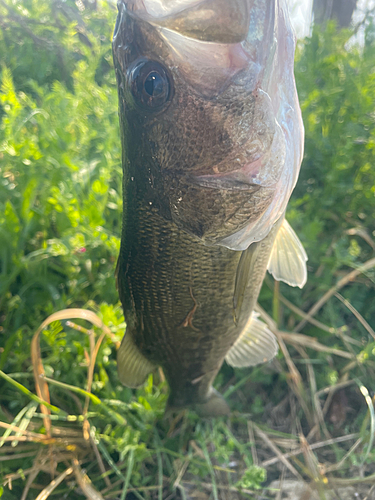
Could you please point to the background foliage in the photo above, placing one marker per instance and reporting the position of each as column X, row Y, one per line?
column 61, row 207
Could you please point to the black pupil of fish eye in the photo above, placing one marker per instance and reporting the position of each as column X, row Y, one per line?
column 150, row 84
column 154, row 84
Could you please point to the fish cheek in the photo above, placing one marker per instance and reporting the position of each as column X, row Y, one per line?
column 207, row 137
column 175, row 152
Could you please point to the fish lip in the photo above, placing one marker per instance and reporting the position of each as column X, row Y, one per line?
column 243, row 179
column 223, row 182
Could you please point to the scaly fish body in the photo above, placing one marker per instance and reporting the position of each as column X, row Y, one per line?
column 212, row 145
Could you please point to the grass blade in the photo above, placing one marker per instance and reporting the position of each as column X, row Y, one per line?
column 53, row 484
column 29, row 394
column 211, row 469
column 128, row 474
column 370, row 405
column 17, row 418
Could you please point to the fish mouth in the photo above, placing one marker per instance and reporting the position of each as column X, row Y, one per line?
column 244, row 179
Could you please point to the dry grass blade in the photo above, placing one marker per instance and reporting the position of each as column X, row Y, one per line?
column 313, row 387
column 331, row 390
column 132, row 490
column 208, row 486
column 99, row 460
column 313, row 446
column 76, row 314
column 26, row 439
column 359, row 316
column 295, row 380
column 302, row 314
column 254, row 453
column 333, row 482
column 282, row 478
column 32, row 435
column 9, row 478
column 25, row 421
column 180, row 474
column 196, row 448
column 313, row 466
column 40, row 384
column 33, row 474
column 339, row 464
column 369, row 494
column 94, row 349
column 371, row 414
column 266, row 317
column 276, row 450
column 53, row 484
column 321, row 412
column 39, row 374
column 36, row 468
column 212, row 472
column 17, row 456
column 362, row 233
column 312, row 343
column 85, row 484
column 41, row 379
column 19, row 419
column 344, row 281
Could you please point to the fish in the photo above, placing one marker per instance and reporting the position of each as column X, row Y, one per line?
column 212, row 144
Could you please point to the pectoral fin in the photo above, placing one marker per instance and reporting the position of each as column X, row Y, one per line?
column 288, row 257
column 244, row 270
column 256, row 344
column 133, row 367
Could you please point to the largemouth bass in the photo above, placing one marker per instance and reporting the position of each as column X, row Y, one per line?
column 212, row 145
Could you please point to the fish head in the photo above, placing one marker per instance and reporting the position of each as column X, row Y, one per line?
column 208, row 105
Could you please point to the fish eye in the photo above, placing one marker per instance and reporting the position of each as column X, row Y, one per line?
column 150, row 84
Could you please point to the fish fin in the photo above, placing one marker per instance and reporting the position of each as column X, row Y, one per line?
column 288, row 257
column 256, row 344
column 133, row 368
column 245, row 265
column 215, row 406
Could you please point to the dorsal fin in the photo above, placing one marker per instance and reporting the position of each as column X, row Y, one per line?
column 256, row 344
column 288, row 257
column 133, row 367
